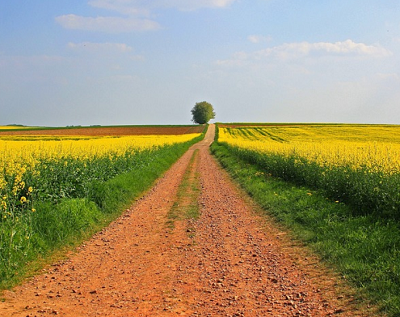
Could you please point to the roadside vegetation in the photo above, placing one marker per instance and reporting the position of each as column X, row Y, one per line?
column 336, row 187
column 55, row 192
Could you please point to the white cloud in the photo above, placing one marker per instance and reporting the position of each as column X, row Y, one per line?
column 256, row 39
column 293, row 51
column 125, row 78
column 195, row 4
column 102, row 47
column 127, row 7
column 143, row 7
column 105, row 48
column 106, row 24
column 346, row 48
column 136, row 12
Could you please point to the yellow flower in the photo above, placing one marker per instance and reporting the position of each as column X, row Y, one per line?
column 19, row 157
column 374, row 147
column 33, row 209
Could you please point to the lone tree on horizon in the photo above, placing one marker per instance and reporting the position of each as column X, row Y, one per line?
column 202, row 112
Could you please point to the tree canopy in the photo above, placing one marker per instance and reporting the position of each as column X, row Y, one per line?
column 202, row 112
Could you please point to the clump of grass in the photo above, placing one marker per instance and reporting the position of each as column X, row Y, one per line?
column 186, row 204
column 362, row 246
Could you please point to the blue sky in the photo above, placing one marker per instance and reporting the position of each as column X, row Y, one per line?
column 86, row 62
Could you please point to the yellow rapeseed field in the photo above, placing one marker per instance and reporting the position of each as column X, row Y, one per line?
column 19, row 154
column 13, row 127
column 376, row 147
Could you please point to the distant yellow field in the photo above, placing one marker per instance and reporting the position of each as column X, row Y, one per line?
column 376, row 147
column 14, row 127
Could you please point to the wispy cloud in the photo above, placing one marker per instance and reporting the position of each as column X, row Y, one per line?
column 106, row 24
column 143, row 7
column 108, row 49
column 293, row 51
column 256, row 39
column 347, row 47
column 95, row 47
column 126, row 7
column 137, row 14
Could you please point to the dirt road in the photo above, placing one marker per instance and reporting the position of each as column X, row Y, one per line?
column 229, row 262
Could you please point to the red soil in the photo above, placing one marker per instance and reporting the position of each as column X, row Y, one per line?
column 106, row 131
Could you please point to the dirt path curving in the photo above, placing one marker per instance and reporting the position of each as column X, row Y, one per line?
column 229, row 262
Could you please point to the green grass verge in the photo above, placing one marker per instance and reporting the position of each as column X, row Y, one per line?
column 363, row 248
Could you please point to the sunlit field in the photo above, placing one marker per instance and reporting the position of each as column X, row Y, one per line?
column 25, row 162
column 14, row 127
column 359, row 164
column 336, row 187
column 52, row 186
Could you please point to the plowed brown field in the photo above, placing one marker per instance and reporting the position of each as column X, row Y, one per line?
column 111, row 131
column 229, row 262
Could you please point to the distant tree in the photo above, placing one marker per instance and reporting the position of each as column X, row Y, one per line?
column 203, row 112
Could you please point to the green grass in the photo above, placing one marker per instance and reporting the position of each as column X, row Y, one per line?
column 186, row 204
column 364, row 248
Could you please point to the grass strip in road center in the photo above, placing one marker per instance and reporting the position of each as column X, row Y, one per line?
column 186, row 204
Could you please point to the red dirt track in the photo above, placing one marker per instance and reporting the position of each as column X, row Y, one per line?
column 229, row 262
